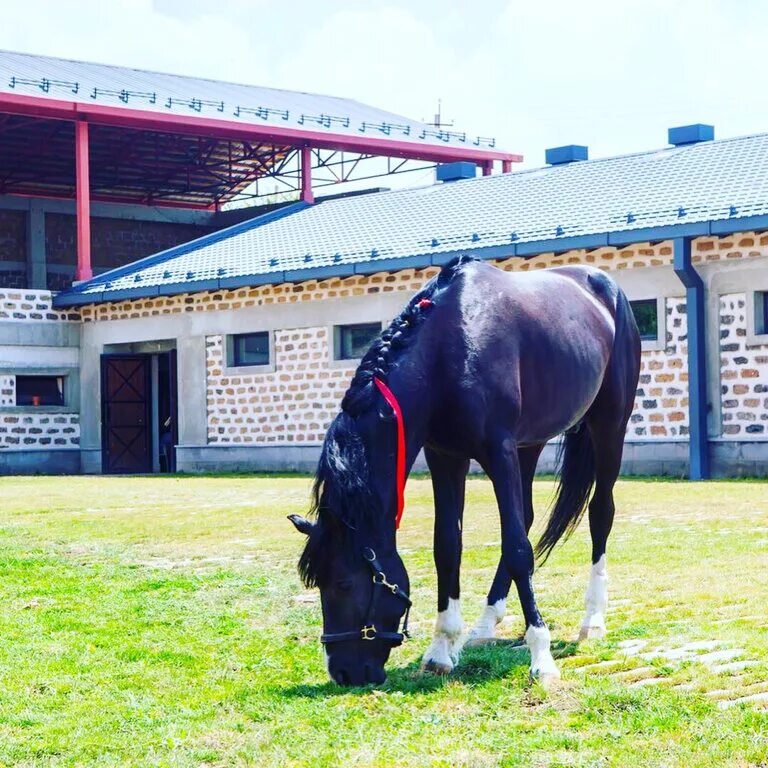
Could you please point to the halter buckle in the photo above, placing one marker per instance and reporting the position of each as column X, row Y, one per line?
column 380, row 579
column 368, row 632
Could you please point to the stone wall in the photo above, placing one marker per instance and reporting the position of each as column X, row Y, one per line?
column 7, row 390
column 661, row 404
column 292, row 405
column 21, row 305
column 27, row 428
column 29, row 431
column 295, row 402
column 743, row 373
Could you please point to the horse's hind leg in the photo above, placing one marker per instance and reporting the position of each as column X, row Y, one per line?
column 492, row 615
column 516, row 564
column 449, row 475
column 528, row 458
column 607, row 444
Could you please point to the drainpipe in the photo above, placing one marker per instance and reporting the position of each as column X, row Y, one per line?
column 697, row 360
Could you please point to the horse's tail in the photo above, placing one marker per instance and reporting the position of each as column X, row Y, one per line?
column 577, row 476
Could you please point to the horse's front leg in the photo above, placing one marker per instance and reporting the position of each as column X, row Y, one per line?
column 493, row 612
column 516, row 563
column 448, row 481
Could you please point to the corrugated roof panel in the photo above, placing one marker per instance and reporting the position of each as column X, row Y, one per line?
column 155, row 92
column 698, row 183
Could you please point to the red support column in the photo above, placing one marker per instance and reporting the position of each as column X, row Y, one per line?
column 488, row 168
column 306, row 175
column 506, row 166
column 83, row 193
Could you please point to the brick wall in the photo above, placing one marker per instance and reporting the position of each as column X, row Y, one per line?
column 743, row 373
column 13, row 248
column 114, row 242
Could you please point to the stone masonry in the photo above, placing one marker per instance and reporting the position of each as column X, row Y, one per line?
column 29, row 431
column 743, row 373
column 25, row 428
column 21, row 305
column 294, row 401
column 661, row 405
column 293, row 405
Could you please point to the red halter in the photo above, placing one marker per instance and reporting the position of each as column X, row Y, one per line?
column 400, row 467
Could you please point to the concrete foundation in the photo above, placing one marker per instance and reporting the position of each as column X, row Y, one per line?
column 40, row 462
column 668, row 459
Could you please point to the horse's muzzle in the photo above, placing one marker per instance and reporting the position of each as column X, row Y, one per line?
column 365, row 673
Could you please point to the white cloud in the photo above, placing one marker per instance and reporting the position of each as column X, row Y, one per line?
column 613, row 74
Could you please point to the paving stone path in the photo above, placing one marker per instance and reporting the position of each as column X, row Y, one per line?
column 730, row 664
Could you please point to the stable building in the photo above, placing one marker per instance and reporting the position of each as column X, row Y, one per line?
column 233, row 350
column 101, row 166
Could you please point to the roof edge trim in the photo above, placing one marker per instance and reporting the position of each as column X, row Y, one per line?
column 422, row 261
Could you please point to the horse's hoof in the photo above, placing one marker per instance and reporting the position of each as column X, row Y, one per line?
column 592, row 633
column 436, row 667
column 547, row 680
column 477, row 642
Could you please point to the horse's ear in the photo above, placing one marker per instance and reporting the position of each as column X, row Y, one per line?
column 302, row 524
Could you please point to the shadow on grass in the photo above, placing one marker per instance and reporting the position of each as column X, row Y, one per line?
column 476, row 667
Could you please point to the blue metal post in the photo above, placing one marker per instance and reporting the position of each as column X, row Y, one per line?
column 697, row 359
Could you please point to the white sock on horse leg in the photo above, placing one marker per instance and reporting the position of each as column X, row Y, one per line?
column 596, row 602
column 542, row 664
column 443, row 652
column 485, row 627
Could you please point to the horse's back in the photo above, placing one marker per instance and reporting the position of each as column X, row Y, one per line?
column 535, row 345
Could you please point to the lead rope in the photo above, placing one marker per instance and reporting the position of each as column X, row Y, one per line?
column 400, row 459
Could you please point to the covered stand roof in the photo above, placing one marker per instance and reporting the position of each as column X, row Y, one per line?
column 707, row 188
column 167, row 139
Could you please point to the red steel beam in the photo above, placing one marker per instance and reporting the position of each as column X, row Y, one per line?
column 83, row 194
column 127, row 199
column 306, row 175
column 205, row 126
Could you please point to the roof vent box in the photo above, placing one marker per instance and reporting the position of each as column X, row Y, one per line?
column 456, row 171
column 567, row 154
column 690, row 134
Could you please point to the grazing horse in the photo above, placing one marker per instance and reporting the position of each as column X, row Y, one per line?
column 487, row 365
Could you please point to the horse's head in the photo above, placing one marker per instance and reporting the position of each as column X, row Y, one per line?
column 364, row 596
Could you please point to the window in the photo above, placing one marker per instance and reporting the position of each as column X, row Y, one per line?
column 39, row 390
column 646, row 313
column 352, row 341
column 250, row 349
column 761, row 312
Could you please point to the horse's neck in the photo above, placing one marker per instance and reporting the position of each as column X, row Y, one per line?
column 415, row 404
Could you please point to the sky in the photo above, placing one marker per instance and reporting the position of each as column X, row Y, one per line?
column 611, row 74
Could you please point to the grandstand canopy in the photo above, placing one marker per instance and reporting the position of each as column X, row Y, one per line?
column 161, row 139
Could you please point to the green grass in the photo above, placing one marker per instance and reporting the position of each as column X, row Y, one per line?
column 160, row 622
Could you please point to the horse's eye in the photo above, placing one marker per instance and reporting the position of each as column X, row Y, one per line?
column 344, row 585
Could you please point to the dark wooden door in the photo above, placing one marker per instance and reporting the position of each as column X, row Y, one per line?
column 125, row 405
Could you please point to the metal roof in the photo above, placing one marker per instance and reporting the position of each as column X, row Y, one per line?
column 125, row 89
column 707, row 188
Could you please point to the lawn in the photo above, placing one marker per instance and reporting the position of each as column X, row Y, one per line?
column 160, row 622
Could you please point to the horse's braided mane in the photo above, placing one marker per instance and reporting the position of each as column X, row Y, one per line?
column 341, row 489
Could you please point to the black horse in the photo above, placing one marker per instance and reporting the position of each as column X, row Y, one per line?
column 485, row 365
